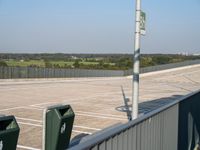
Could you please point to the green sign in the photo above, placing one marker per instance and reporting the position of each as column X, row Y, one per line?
column 142, row 23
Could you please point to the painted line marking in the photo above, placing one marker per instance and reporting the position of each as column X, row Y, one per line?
column 40, row 121
column 27, row 147
column 88, row 114
column 75, row 100
column 91, row 114
column 30, row 124
column 37, row 107
column 76, row 131
column 38, row 125
column 11, row 108
column 43, row 103
column 33, row 108
column 83, row 127
column 102, row 117
column 27, row 119
column 109, row 115
column 22, row 107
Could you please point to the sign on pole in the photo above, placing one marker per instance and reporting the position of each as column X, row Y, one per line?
column 142, row 23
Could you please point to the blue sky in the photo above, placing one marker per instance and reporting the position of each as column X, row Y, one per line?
column 98, row 26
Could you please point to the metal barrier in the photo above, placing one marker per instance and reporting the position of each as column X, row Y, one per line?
column 174, row 126
column 34, row 72
column 163, row 67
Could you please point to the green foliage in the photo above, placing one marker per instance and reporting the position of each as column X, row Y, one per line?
column 124, row 63
column 146, row 61
column 89, row 61
column 76, row 64
column 56, row 66
column 48, row 64
column 33, row 65
column 161, row 59
column 3, row 63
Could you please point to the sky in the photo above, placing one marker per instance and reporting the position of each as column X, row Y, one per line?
column 98, row 26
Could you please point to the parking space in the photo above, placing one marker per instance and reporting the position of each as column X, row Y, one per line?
column 98, row 102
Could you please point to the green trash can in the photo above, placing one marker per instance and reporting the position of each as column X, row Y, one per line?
column 9, row 133
column 58, row 127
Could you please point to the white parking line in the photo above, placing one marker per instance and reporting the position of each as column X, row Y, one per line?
column 87, row 128
column 42, row 103
column 33, row 107
column 11, row 108
column 88, row 114
column 40, row 121
column 30, row 124
column 27, row 147
column 38, row 107
column 75, row 100
column 94, row 113
column 76, row 131
column 84, row 112
column 102, row 117
column 38, row 125
column 27, row 119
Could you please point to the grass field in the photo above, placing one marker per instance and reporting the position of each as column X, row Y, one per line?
column 41, row 63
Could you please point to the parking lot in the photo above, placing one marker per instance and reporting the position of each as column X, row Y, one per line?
column 97, row 102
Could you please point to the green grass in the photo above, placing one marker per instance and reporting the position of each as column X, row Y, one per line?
column 62, row 63
column 39, row 63
column 89, row 63
column 94, row 63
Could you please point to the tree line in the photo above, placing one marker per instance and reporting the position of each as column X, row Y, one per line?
column 93, row 61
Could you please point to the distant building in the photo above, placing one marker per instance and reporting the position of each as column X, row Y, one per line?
column 197, row 54
column 184, row 53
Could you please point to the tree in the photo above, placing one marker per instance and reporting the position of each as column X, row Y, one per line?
column 162, row 59
column 48, row 64
column 3, row 64
column 101, row 63
column 76, row 64
column 56, row 66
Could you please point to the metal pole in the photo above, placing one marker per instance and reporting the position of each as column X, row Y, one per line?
column 44, row 129
column 136, row 62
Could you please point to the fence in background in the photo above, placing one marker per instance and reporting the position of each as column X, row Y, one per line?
column 164, row 67
column 172, row 127
column 34, row 72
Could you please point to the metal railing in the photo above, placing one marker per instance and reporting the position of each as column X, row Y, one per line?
column 164, row 66
column 35, row 72
column 174, row 126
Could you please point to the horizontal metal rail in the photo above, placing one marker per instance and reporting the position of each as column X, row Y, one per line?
column 165, row 119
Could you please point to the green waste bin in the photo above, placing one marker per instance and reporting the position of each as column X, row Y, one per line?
column 58, row 127
column 9, row 133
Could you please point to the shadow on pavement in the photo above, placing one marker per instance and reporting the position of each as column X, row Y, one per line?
column 144, row 107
